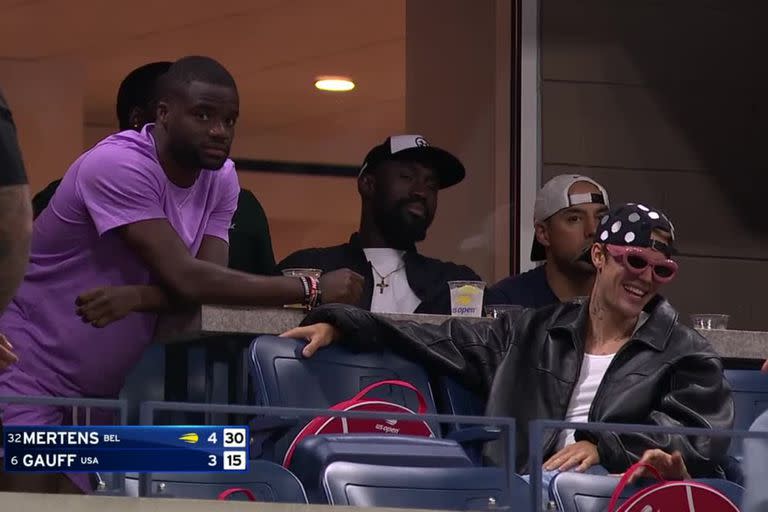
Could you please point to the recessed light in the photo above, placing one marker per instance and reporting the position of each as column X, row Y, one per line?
column 334, row 83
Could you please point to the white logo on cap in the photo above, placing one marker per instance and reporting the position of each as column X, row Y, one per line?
column 401, row 142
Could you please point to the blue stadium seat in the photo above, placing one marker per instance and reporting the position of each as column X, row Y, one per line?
column 454, row 398
column 476, row 488
column 579, row 492
column 282, row 377
column 750, row 394
column 146, row 381
column 269, row 482
column 315, row 453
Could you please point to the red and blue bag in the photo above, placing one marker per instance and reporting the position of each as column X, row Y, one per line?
column 670, row 496
column 359, row 402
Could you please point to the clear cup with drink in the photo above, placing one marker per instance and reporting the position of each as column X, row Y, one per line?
column 466, row 298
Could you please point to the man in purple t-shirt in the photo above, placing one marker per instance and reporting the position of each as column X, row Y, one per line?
column 139, row 222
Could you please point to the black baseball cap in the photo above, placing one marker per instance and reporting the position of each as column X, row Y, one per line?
column 631, row 224
column 415, row 148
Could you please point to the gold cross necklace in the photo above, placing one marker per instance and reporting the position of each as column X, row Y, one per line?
column 383, row 284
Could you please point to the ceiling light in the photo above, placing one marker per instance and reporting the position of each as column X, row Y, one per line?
column 334, row 83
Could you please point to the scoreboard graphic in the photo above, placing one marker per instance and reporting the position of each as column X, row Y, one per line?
column 140, row 449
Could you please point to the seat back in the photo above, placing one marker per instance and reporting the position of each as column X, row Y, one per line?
column 580, row 492
column 465, row 488
column 282, row 377
column 750, row 396
column 454, row 398
column 315, row 453
column 269, row 482
column 145, row 382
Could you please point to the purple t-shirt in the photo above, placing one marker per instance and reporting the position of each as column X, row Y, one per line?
column 75, row 248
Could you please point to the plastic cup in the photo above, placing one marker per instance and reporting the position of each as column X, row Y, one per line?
column 498, row 310
column 466, row 298
column 709, row 321
column 301, row 272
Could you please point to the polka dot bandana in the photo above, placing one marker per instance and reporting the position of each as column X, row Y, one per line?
column 632, row 224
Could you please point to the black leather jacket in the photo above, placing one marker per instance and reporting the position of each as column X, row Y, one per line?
column 666, row 374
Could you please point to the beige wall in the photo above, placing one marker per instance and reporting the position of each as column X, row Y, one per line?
column 305, row 211
column 457, row 95
column 46, row 97
column 665, row 103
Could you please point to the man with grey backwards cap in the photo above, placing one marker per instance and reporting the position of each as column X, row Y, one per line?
column 398, row 184
column 568, row 208
column 620, row 357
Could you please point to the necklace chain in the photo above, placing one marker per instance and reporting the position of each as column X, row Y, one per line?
column 383, row 284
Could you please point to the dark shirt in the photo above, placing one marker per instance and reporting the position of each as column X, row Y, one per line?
column 427, row 277
column 42, row 198
column 529, row 289
column 250, row 245
column 11, row 165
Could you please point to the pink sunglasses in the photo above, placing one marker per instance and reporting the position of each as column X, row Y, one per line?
column 637, row 259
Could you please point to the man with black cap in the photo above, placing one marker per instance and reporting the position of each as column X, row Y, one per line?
column 620, row 357
column 398, row 183
column 567, row 210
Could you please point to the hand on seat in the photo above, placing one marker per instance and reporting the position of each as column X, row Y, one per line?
column 317, row 336
column 580, row 455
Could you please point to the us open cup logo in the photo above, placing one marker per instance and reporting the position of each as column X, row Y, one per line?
column 466, row 300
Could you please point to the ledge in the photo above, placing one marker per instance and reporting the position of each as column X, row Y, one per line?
column 214, row 321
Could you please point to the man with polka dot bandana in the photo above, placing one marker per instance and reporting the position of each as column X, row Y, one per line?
column 621, row 356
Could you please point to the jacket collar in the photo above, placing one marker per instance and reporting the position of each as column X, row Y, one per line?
column 655, row 332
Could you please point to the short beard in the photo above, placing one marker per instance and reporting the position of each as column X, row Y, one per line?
column 398, row 232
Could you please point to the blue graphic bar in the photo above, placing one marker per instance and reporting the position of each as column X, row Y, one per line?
column 178, row 448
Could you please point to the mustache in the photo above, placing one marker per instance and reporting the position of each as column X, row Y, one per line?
column 407, row 202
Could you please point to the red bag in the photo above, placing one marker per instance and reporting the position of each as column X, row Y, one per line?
column 670, row 496
column 328, row 425
column 229, row 492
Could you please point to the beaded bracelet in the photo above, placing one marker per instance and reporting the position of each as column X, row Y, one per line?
column 314, row 293
column 311, row 291
column 305, row 284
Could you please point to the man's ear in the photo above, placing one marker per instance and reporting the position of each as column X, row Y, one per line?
column 597, row 252
column 162, row 110
column 135, row 117
column 542, row 234
column 366, row 185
